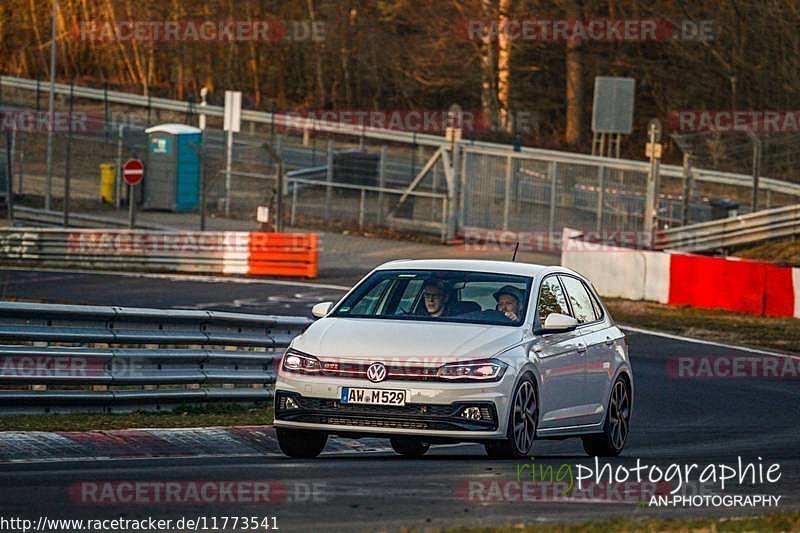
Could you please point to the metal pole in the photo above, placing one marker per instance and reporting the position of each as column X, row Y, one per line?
column 361, row 212
column 756, row 170
column 68, row 166
column 329, row 180
column 381, row 183
column 118, row 184
column 131, row 209
column 9, row 187
column 13, row 149
column 203, row 104
column 687, row 188
column 460, row 179
column 228, row 174
column 202, row 153
column 294, row 203
column 453, row 195
column 51, row 108
column 650, row 206
column 507, row 199
column 21, row 172
column 105, row 110
column 281, row 189
column 553, row 181
column 601, row 196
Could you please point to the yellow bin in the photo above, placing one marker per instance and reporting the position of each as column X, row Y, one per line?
column 108, row 182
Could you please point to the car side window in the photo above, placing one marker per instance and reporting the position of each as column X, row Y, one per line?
column 579, row 299
column 598, row 309
column 551, row 299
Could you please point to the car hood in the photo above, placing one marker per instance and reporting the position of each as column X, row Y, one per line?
column 347, row 338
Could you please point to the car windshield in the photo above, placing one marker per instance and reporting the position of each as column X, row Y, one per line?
column 439, row 295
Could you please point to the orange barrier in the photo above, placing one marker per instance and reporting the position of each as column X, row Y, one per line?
column 283, row 254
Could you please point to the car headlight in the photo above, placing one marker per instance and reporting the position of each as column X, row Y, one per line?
column 299, row 362
column 486, row 370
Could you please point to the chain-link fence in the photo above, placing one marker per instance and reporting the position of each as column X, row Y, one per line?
column 521, row 192
column 348, row 177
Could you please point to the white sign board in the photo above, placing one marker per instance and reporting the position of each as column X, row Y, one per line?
column 233, row 111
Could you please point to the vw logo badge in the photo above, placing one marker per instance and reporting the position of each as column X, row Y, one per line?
column 376, row 372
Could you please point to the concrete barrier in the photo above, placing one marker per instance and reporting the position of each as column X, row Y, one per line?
column 209, row 252
column 727, row 283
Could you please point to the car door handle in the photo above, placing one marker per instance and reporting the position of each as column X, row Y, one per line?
column 581, row 348
column 609, row 341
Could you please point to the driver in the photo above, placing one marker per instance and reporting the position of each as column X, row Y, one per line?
column 436, row 296
column 508, row 301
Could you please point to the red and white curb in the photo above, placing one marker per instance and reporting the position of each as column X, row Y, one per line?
column 234, row 441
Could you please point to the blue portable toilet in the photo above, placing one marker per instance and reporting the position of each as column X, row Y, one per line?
column 172, row 172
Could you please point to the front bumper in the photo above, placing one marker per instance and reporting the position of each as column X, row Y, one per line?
column 355, row 417
column 432, row 409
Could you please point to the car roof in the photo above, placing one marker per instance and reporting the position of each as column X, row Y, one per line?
column 470, row 265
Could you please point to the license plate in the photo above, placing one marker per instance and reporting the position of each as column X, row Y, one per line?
column 373, row 396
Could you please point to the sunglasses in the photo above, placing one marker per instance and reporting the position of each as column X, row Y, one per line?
column 433, row 296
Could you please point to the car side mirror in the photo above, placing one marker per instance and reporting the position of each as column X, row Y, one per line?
column 321, row 309
column 558, row 323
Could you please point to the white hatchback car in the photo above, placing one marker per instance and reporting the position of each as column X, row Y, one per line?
column 437, row 351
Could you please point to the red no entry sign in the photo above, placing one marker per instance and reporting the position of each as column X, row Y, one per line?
column 133, row 171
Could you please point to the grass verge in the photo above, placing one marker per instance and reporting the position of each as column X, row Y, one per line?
column 783, row 252
column 182, row 416
column 781, row 334
column 769, row 522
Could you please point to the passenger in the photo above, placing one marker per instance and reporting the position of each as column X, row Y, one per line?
column 508, row 301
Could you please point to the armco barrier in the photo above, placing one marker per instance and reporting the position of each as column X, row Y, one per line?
column 76, row 357
column 225, row 252
column 683, row 279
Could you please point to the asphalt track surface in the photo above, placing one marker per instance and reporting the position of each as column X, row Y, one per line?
column 675, row 421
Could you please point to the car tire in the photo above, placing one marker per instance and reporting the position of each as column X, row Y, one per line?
column 523, row 418
column 301, row 443
column 409, row 447
column 617, row 424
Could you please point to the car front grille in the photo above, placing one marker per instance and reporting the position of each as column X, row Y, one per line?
column 354, row 421
column 408, row 409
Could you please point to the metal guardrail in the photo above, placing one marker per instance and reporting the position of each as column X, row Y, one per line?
column 674, row 171
column 135, row 358
column 730, row 232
